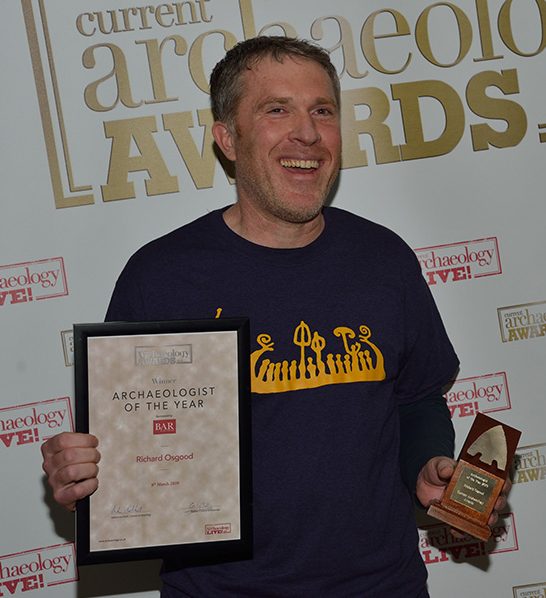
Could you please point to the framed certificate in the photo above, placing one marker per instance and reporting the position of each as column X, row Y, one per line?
column 170, row 405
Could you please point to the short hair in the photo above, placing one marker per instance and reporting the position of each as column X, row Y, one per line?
column 226, row 86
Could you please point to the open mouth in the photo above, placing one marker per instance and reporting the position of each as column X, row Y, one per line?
column 299, row 164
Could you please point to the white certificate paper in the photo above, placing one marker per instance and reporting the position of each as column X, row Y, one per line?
column 166, row 410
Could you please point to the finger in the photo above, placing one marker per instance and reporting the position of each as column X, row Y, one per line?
column 445, row 468
column 438, row 470
column 73, row 483
column 70, row 457
column 73, row 474
column 67, row 440
column 500, row 503
column 69, row 495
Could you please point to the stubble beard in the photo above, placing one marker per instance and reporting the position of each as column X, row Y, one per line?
column 270, row 201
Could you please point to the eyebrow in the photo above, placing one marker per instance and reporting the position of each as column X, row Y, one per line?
column 286, row 100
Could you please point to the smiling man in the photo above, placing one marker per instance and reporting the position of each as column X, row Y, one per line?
column 348, row 351
column 286, row 144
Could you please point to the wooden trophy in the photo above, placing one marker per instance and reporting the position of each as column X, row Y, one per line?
column 482, row 469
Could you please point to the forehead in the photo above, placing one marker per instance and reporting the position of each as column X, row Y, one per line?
column 292, row 77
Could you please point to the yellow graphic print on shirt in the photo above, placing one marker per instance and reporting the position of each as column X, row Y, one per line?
column 362, row 361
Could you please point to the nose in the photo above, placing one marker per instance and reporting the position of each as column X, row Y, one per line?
column 304, row 129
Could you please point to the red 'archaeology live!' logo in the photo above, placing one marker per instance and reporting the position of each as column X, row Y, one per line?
column 217, row 529
column 32, row 281
column 484, row 393
column 34, row 422
column 37, row 569
column 460, row 261
column 438, row 545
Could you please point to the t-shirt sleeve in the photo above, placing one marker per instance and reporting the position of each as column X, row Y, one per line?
column 428, row 361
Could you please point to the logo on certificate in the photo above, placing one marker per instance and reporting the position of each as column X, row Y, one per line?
column 164, row 426
column 217, row 529
column 164, row 355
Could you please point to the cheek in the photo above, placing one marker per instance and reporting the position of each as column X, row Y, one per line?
column 332, row 140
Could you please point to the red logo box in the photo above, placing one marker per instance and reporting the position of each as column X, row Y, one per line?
column 217, row 529
column 32, row 281
column 34, row 422
column 437, row 544
column 484, row 394
column 164, row 426
column 37, row 569
column 460, row 261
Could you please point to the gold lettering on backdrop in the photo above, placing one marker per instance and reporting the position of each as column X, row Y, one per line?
column 345, row 42
column 126, row 134
column 196, row 59
column 368, row 38
column 464, row 29
column 382, row 43
column 137, row 18
column 200, row 164
column 409, row 94
column 483, row 135
column 154, row 51
column 507, row 35
column 247, row 18
column 119, row 74
column 378, row 105
column 140, row 131
column 484, row 29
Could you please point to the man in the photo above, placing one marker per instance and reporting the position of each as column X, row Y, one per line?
column 349, row 353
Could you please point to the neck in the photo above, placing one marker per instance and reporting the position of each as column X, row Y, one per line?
column 269, row 231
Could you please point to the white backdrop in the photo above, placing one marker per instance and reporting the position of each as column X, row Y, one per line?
column 106, row 145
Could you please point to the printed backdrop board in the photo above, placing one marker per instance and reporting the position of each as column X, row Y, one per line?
column 106, row 131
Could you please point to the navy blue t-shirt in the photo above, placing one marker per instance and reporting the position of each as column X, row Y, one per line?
column 343, row 332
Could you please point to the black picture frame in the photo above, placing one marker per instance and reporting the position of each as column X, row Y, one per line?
column 186, row 553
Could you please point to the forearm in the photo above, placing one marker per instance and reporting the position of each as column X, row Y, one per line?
column 426, row 431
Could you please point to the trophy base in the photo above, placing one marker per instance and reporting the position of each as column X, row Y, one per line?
column 478, row 530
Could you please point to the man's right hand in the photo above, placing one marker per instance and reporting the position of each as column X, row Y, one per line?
column 70, row 462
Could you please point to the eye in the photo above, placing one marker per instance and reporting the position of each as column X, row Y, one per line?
column 276, row 110
column 323, row 111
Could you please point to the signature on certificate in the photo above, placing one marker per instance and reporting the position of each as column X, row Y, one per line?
column 127, row 510
column 200, row 507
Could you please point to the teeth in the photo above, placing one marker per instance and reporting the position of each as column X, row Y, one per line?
column 305, row 164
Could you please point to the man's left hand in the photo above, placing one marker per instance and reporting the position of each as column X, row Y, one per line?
column 434, row 478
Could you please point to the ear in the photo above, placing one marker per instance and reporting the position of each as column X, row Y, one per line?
column 224, row 139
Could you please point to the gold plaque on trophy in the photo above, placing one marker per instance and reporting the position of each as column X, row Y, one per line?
column 482, row 469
